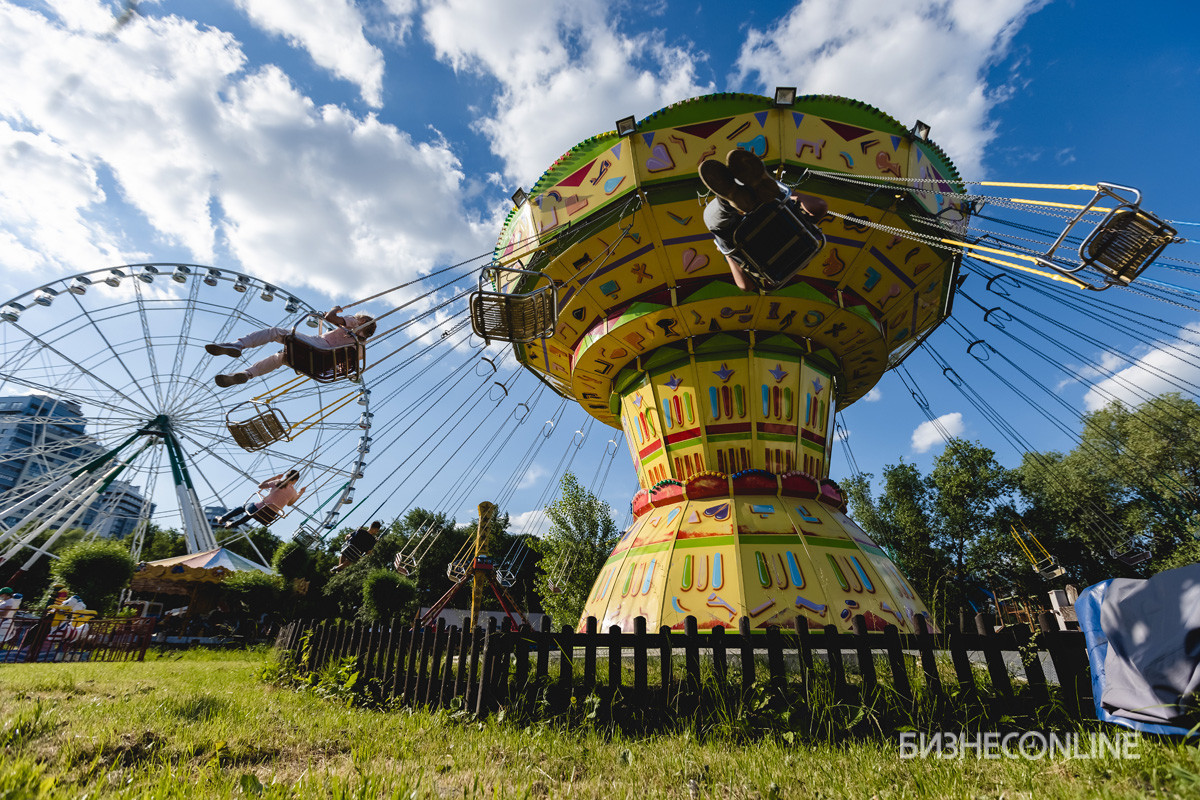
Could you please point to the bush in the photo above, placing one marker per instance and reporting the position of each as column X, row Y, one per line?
column 385, row 595
column 253, row 591
column 292, row 561
column 96, row 571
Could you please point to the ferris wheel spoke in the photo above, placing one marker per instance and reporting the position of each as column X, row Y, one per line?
column 234, row 314
column 88, row 316
column 210, row 451
column 181, row 343
column 149, row 341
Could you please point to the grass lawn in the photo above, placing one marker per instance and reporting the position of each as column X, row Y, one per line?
column 204, row 725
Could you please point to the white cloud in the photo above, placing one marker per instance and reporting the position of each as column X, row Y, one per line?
column 873, row 396
column 927, row 434
column 529, row 522
column 1153, row 371
column 565, row 72
column 917, row 60
column 47, row 225
column 332, row 33
column 531, row 477
column 216, row 159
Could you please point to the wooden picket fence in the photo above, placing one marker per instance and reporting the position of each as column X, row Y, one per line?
column 678, row 674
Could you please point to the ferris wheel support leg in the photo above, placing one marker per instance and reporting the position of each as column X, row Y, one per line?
column 45, row 549
column 196, row 530
column 83, row 501
column 53, row 500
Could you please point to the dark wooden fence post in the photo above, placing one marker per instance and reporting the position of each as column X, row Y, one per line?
column 614, row 664
column 837, row 670
column 929, row 668
column 589, row 657
column 746, row 647
column 691, row 660
column 1031, row 660
column 897, row 666
column 1068, row 653
column 566, row 665
column 666, row 668
column 866, row 658
column 997, row 669
column 640, row 666
column 716, row 639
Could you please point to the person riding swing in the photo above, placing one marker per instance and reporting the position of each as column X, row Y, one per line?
column 742, row 186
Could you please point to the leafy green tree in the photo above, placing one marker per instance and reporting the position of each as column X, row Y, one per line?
column 581, row 536
column 159, row 543
column 1133, row 479
column 96, row 571
column 901, row 521
column 292, row 561
column 948, row 531
column 387, row 595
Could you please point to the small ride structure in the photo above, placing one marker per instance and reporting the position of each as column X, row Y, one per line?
column 479, row 570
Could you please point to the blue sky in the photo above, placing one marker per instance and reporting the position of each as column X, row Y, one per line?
column 339, row 148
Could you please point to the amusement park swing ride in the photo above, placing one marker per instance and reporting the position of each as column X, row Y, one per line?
column 607, row 288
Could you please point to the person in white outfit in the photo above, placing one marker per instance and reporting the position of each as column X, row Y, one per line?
column 350, row 328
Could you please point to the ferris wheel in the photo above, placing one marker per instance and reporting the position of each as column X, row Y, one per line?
column 110, row 419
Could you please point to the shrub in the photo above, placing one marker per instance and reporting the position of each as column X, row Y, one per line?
column 96, row 571
column 255, row 592
column 385, row 595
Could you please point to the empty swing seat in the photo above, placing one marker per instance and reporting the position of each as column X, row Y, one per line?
column 1121, row 246
column 1130, row 553
column 264, row 427
column 775, row 243
column 513, row 316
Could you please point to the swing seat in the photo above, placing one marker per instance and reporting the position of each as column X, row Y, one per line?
column 1049, row 568
column 351, row 553
column 1125, row 243
column 263, row 428
column 266, row 515
column 1130, row 554
column 1121, row 246
column 305, row 538
column 325, row 365
column 775, row 243
column 516, row 316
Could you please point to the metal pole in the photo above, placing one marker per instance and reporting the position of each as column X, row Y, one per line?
column 486, row 510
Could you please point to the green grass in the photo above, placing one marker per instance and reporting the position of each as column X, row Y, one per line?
column 205, row 725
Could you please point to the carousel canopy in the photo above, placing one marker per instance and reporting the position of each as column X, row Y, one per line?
column 210, row 566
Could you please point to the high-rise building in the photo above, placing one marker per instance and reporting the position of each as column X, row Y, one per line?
column 40, row 435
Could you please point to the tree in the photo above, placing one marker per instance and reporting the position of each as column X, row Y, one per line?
column 581, row 536
column 96, row 571
column 292, row 561
column 387, row 595
column 159, row 543
column 901, row 521
column 1133, row 478
column 948, row 531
